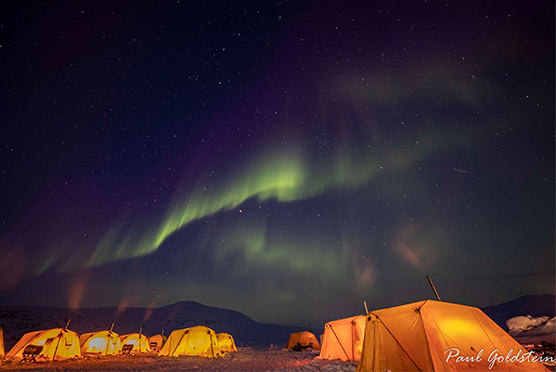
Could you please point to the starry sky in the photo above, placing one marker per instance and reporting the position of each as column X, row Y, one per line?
column 285, row 159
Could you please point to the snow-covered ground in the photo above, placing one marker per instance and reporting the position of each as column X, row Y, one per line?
column 246, row 359
column 532, row 330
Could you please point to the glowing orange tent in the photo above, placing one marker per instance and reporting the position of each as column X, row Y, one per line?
column 226, row 342
column 157, row 341
column 57, row 344
column 198, row 340
column 139, row 341
column 101, row 342
column 304, row 339
column 343, row 339
column 425, row 336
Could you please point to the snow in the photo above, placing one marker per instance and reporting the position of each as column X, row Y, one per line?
column 532, row 330
column 246, row 359
column 524, row 323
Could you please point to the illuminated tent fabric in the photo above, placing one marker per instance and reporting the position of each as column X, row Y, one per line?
column 343, row 339
column 415, row 337
column 101, row 342
column 158, row 341
column 198, row 340
column 139, row 341
column 226, row 342
column 2, row 350
column 57, row 344
column 304, row 338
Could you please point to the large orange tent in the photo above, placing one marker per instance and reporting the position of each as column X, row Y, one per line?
column 343, row 339
column 226, row 342
column 198, row 340
column 425, row 336
column 101, row 342
column 54, row 344
column 139, row 341
column 156, row 342
column 304, row 339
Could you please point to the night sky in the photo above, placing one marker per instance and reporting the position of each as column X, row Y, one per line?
column 285, row 159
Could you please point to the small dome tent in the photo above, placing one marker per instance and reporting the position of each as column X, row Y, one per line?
column 53, row 344
column 303, row 339
column 417, row 336
column 226, row 342
column 156, row 342
column 139, row 341
column 343, row 339
column 100, row 342
column 198, row 340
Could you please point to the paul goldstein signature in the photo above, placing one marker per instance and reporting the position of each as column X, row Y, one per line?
column 495, row 357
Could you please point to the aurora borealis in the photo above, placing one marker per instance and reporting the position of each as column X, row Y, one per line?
column 285, row 160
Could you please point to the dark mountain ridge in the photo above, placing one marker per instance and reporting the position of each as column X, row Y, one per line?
column 534, row 305
column 17, row 320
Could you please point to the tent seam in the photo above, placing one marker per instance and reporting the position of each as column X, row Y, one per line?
column 400, row 345
column 426, row 338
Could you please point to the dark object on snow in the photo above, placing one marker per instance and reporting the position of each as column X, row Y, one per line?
column 299, row 347
column 31, row 352
column 126, row 349
column 548, row 347
column 545, row 350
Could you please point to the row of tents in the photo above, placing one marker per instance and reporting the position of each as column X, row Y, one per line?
column 62, row 343
column 421, row 336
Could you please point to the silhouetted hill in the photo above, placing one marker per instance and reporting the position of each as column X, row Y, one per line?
column 17, row 320
column 534, row 305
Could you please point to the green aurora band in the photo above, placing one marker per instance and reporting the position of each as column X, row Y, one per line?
column 295, row 173
column 285, row 176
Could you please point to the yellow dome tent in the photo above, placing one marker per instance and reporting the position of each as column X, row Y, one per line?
column 425, row 336
column 156, row 342
column 101, row 342
column 343, row 339
column 226, row 342
column 304, row 339
column 54, row 344
column 139, row 341
column 198, row 340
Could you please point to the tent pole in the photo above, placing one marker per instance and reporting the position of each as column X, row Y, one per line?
column 366, row 309
column 433, row 288
column 111, row 327
column 68, row 323
column 140, row 334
